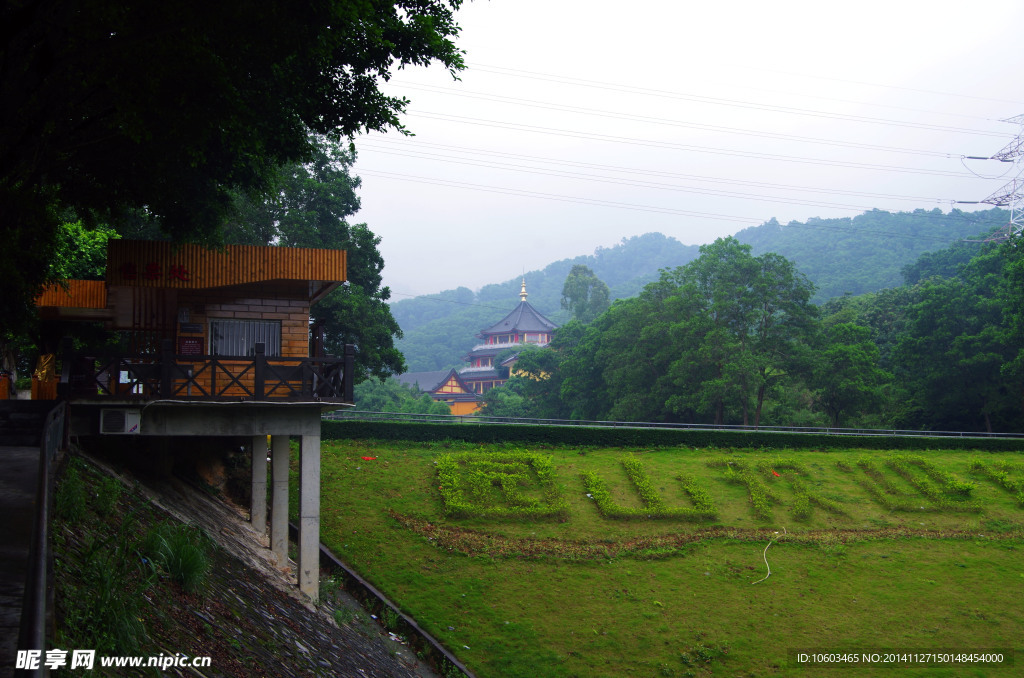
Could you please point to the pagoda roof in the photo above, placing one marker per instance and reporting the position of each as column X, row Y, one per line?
column 431, row 382
column 424, row 381
column 523, row 318
column 479, row 374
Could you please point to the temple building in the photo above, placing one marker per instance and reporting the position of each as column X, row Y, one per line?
column 463, row 389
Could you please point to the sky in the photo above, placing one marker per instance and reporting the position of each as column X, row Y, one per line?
column 577, row 124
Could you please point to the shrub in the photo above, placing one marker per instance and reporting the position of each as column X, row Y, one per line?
column 495, row 485
column 653, row 505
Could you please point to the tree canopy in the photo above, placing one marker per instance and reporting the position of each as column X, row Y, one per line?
column 174, row 107
column 310, row 206
column 584, row 294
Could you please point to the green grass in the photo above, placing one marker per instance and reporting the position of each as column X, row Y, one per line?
column 917, row 552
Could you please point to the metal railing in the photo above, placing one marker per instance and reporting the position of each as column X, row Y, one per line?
column 168, row 376
column 363, row 415
column 32, row 631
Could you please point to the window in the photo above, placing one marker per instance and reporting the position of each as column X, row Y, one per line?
column 239, row 337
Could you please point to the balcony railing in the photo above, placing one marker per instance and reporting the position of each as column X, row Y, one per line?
column 168, row 376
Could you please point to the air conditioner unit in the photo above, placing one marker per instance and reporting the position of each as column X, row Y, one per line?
column 120, row 421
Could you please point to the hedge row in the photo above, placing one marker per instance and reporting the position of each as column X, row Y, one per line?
column 647, row 437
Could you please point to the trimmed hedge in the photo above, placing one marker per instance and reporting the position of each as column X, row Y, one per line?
column 594, row 436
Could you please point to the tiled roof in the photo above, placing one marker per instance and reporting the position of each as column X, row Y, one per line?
column 424, row 381
column 524, row 318
column 479, row 373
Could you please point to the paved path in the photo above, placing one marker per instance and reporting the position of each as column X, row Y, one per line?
column 19, row 468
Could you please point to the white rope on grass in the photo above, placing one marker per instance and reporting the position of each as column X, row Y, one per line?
column 765, row 556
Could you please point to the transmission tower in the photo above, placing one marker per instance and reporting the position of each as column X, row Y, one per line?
column 1012, row 194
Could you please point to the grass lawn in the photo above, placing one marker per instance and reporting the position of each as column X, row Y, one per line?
column 612, row 562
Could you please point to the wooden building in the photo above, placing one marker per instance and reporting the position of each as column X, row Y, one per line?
column 210, row 343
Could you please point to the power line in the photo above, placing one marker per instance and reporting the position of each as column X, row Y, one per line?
column 643, row 208
column 555, row 196
column 636, row 170
column 726, row 102
column 675, row 123
column 644, row 184
column 534, row 129
column 503, row 70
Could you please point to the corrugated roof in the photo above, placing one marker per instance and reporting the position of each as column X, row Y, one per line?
column 148, row 263
column 77, row 294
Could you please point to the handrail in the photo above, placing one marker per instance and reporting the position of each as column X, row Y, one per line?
column 32, row 632
column 364, row 415
column 209, row 377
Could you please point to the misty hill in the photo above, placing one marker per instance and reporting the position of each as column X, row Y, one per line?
column 440, row 328
column 868, row 252
column 853, row 255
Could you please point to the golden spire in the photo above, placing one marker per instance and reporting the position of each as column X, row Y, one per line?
column 522, row 293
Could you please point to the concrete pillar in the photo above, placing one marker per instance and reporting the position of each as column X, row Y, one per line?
column 258, row 504
column 279, row 498
column 309, row 516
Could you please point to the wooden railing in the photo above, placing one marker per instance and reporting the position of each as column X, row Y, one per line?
column 168, row 376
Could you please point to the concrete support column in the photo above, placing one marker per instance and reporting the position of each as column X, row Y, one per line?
column 309, row 516
column 279, row 498
column 258, row 504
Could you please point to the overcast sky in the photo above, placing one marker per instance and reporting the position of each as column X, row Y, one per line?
column 579, row 123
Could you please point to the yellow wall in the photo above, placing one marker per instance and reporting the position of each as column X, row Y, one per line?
column 464, row 408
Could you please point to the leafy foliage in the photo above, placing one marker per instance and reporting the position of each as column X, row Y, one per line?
column 653, row 505
column 174, row 107
column 868, row 252
column 584, row 294
column 311, row 204
column 389, row 395
column 515, row 484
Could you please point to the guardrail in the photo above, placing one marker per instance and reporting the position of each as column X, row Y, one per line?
column 167, row 375
column 364, row 415
column 32, row 632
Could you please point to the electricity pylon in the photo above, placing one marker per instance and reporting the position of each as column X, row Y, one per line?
column 1012, row 194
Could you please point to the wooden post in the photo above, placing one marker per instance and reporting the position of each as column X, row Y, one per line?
column 259, row 373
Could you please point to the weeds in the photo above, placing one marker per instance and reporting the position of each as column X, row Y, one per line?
column 69, row 502
column 105, row 611
column 181, row 551
column 107, row 496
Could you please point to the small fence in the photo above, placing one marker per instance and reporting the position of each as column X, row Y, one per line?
column 362, row 415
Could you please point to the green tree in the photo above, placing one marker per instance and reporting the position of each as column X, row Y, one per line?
column 173, row 107
column 388, row 395
column 584, row 294
column 310, row 208
column 847, row 374
column 751, row 320
column 957, row 341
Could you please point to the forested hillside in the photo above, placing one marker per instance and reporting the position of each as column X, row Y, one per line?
column 868, row 252
column 732, row 338
column 839, row 256
column 440, row 328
